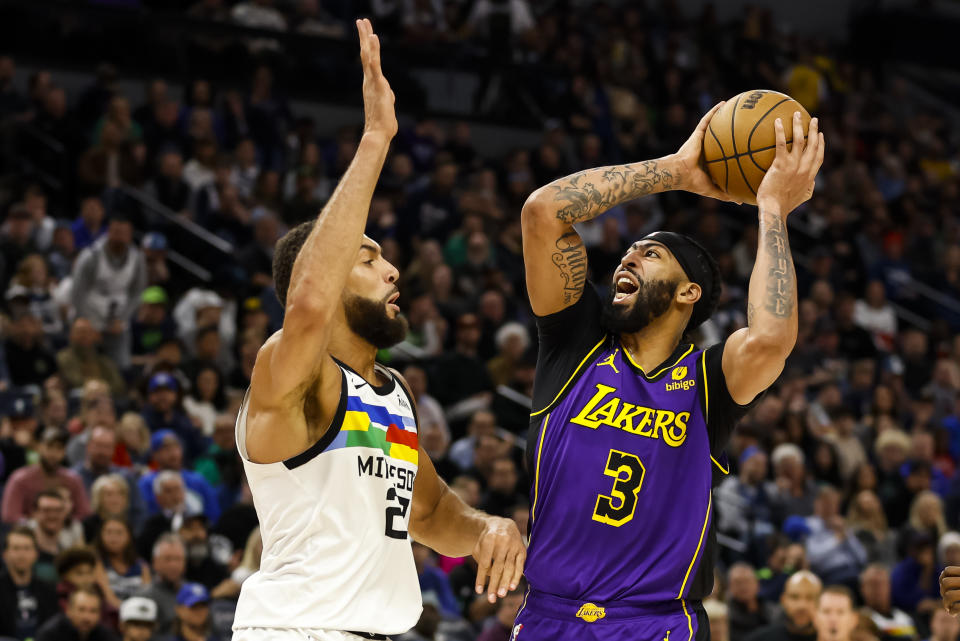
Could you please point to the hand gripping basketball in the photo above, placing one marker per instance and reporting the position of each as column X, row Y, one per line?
column 378, row 99
column 950, row 589
column 500, row 554
column 692, row 176
column 790, row 180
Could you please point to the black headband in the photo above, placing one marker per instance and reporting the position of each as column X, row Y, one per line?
column 700, row 268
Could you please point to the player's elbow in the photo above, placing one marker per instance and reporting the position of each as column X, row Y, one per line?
column 769, row 347
column 306, row 312
column 535, row 210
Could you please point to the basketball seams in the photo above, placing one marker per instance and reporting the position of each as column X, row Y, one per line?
column 750, row 150
column 733, row 136
column 745, row 153
column 723, row 154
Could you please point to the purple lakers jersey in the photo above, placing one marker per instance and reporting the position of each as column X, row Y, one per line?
column 622, row 466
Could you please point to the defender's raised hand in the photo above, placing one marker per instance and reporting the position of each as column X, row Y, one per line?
column 950, row 589
column 378, row 99
column 790, row 180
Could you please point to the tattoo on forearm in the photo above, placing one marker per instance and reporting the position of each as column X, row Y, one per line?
column 571, row 259
column 781, row 281
column 593, row 191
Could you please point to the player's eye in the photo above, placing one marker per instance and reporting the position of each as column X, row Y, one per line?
column 369, row 262
column 651, row 252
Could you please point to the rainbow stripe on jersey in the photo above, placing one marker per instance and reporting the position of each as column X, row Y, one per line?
column 367, row 425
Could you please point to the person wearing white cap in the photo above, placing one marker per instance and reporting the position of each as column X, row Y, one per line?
column 138, row 617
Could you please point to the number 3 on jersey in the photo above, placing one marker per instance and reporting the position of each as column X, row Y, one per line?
column 618, row 508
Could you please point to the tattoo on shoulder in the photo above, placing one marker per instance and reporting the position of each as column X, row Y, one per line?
column 593, row 191
column 781, row 281
column 570, row 258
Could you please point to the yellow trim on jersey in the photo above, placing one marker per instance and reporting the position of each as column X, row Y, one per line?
column 706, row 388
column 697, row 553
column 715, row 462
column 662, row 369
column 355, row 422
column 689, row 622
column 564, row 388
column 522, row 605
column 536, row 473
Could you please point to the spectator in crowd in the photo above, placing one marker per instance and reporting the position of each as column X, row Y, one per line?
column 152, row 326
column 33, row 286
column 249, row 563
column 460, row 376
column 116, row 551
column 17, row 438
column 202, row 567
column 49, row 525
column 168, row 457
column 500, row 626
column 28, row 359
column 80, row 621
column 914, row 583
column 835, row 554
column 747, row 612
column 162, row 413
column 26, row 602
column 743, row 507
column 108, row 278
column 482, row 423
column 78, row 568
column 101, row 446
column 81, row 362
column 109, row 498
column 89, row 225
column 174, row 504
column 799, row 603
column 26, row 483
column 877, row 603
column 433, row 580
column 138, row 618
column 718, row 613
column 869, row 525
column 192, row 614
column 836, row 618
column 169, row 565
column 791, row 491
column 169, row 187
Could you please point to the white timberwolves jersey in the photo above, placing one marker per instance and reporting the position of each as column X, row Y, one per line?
column 336, row 554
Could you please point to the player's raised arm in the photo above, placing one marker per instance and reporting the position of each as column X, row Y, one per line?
column 755, row 355
column 553, row 252
column 331, row 250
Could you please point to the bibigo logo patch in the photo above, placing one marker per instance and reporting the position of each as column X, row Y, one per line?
column 590, row 612
column 679, row 373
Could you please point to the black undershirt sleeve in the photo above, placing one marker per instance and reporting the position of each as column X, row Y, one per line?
column 566, row 337
column 723, row 412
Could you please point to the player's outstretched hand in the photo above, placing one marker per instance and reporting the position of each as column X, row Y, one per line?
column 500, row 554
column 950, row 589
column 380, row 115
column 790, row 180
column 692, row 177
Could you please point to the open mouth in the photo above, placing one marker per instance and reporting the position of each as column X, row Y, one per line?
column 392, row 301
column 625, row 286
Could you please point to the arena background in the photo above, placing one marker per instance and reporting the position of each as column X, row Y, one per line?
column 209, row 127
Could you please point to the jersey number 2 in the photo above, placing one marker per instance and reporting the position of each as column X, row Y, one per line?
column 618, row 508
column 393, row 512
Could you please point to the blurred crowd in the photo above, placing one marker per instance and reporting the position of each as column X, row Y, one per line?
column 124, row 505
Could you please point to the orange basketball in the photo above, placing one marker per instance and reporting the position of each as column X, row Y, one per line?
column 740, row 143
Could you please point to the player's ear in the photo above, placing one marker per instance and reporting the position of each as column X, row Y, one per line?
column 689, row 293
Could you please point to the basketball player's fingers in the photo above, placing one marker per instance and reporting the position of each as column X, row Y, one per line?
column 950, row 584
column 780, row 138
column 799, row 143
column 821, row 147
column 497, row 586
column 484, row 558
column 518, row 562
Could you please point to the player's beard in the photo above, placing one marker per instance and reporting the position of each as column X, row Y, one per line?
column 651, row 300
column 368, row 319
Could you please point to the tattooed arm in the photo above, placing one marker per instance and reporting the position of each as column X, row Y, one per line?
column 754, row 356
column 553, row 253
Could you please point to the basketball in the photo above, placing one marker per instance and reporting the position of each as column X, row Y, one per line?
column 740, row 143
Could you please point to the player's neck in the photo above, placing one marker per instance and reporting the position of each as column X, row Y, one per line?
column 653, row 344
column 358, row 354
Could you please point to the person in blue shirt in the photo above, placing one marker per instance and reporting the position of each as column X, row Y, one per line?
column 168, row 455
column 162, row 411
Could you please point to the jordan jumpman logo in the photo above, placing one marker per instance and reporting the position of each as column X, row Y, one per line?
column 609, row 361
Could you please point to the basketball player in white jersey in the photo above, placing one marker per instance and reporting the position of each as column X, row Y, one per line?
column 329, row 438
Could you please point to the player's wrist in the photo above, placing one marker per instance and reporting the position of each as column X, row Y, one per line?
column 376, row 136
column 769, row 205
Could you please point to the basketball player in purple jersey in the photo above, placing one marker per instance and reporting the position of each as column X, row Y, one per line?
column 630, row 420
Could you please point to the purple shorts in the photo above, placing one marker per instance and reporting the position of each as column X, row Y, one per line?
column 544, row 617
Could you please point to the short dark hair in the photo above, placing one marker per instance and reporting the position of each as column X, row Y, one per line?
column 19, row 530
column 49, row 493
column 72, row 557
column 285, row 255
